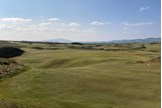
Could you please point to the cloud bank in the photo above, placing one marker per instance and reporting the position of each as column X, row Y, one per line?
column 38, row 29
column 136, row 24
column 15, row 20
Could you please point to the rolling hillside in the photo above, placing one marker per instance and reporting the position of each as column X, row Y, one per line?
column 85, row 77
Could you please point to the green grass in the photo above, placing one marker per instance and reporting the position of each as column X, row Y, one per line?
column 84, row 79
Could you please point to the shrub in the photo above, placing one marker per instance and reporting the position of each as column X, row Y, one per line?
column 38, row 48
column 9, row 52
column 77, row 43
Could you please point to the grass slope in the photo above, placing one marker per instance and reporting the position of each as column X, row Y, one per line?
column 85, row 79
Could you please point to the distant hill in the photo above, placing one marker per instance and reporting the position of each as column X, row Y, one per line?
column 104, row 42
column 59, row 40
column 127, row 41
column 137, row 40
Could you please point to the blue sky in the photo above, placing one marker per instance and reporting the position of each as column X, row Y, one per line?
column 79, row 20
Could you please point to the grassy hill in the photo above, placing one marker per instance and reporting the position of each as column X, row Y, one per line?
column 86, row 76
column 6, row 43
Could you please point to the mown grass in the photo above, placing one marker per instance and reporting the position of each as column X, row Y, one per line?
column 73, row 78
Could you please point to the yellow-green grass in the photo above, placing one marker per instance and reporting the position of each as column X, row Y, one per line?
column 84, row 79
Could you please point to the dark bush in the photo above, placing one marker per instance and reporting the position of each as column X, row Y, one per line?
column 140, row 62
column 38, row 48
column 143, row 46
column 76, row 43
column 9, row 52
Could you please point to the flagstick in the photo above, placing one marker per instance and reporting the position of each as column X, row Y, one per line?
column 148, row 67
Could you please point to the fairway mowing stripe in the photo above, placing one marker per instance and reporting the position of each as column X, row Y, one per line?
column 35, row 74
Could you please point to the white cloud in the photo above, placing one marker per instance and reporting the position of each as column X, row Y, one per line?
column 97, row 23
column 137, row 24
column 15, row 20
column 44, row 24
column 43, row 29
column 125, row 28
column 144, row 8
column 73, row 24
column 54, row 19
column 5, row 27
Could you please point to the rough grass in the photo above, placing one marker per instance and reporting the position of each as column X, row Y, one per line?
column 85, row 79
column 10, row 68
